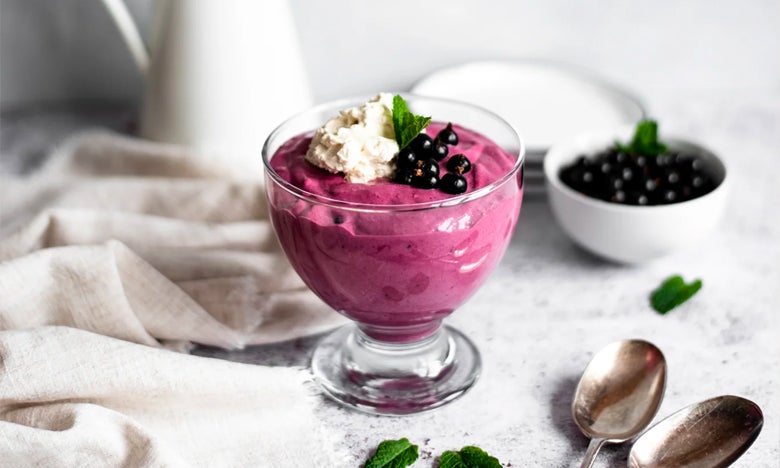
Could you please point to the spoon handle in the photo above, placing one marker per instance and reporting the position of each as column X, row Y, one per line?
column 593, row 450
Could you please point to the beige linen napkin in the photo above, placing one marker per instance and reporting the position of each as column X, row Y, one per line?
column 156, row 237
column 145, row 243
column 71, row 398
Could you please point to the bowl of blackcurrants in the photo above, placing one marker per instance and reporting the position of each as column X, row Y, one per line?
column 631, row 197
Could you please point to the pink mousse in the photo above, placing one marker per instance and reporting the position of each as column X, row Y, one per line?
column 396, row 272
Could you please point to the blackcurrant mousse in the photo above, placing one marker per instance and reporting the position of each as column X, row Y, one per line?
column 397, row 271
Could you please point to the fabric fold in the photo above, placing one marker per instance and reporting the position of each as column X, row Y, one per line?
column 105, row 289
column 207, row 236
column 121, row 404
column 115, row 250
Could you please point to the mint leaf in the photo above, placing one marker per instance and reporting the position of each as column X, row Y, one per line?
column 475, row 457
column 393, row 454
column 468, row 457
column 673, row 292
column 645, row 141
column 450, row 459
column 405, row 124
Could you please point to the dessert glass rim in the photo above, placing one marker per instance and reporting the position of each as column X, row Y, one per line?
column 375, row 207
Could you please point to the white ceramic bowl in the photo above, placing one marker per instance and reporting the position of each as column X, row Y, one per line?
column 626, row 233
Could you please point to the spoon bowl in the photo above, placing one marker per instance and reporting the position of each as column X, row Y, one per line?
column 709, row 434
column 619, row 393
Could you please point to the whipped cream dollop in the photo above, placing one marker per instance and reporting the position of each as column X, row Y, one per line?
column 359, row 142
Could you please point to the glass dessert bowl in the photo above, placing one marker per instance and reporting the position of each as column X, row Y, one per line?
column 395, row 259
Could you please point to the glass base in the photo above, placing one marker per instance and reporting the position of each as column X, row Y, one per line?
column 395, row 378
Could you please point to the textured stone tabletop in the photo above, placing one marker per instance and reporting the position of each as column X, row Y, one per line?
column 549, row 306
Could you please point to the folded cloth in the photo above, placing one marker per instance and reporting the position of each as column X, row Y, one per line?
column 197, row 247
column 132, row 241
column 74, row 398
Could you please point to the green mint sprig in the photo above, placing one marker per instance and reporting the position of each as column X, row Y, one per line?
column 406, row 124
column 645, row 141
column 468, row 457
column 393, row 454
column 673, row 292
column 402, row 453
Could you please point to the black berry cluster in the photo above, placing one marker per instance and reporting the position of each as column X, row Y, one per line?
column 635, row 179
column 418, row 164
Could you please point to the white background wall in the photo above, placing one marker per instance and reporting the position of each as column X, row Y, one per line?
column 54, row 51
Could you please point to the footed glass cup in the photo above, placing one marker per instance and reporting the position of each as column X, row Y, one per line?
column 396, row 270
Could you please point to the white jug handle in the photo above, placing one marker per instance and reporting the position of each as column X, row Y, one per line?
column 127, row 27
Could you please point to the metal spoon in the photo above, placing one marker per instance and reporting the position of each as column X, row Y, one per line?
column 618, row 394
column 710, row 434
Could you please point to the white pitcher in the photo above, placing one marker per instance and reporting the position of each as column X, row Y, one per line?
column 220, row 74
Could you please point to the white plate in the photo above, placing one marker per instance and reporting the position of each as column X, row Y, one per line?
column 547, row 103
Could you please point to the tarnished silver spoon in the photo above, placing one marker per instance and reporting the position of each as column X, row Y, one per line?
column 619, row 393
column 710, row 434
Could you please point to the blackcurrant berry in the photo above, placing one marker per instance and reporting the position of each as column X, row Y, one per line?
column 425, row 181
column 453, row 184
column 570, row 176
column 650, row 185
column 448, row 136
column 637, row 198
column 403, row 176
column 440, row 150
column 422, row 144
column 459, row 164
column 431, row 167
column 618, row 196
column 406, row 158
column 587, row 177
